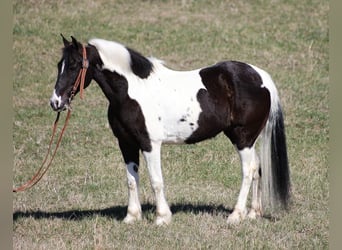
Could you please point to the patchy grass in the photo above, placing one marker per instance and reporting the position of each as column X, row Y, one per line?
column 82, row 200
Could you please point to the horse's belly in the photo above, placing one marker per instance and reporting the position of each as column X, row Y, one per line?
column 173, row 120
column 179, row 121
column 177, row 132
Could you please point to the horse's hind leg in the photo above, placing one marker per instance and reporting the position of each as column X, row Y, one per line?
column 256, row 209
column 154, row 168
column 250, row 165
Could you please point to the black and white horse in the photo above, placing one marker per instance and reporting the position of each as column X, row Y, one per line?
column 150, row 104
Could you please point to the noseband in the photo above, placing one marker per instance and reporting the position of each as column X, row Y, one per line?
column 79, row 82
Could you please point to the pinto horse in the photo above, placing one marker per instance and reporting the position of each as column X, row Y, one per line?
column 150, row 104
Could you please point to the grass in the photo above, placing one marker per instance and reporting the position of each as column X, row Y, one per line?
column 82, row 200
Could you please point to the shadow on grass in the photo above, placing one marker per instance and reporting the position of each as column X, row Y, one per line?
column 119, row 212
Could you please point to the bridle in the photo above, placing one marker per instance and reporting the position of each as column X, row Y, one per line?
column 81, row 75
column 79, row 82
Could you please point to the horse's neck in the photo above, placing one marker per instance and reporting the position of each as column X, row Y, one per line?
column 109, row 82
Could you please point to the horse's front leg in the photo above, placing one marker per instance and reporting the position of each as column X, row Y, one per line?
column 134, row 207
column 154, row 168
column 131, row 157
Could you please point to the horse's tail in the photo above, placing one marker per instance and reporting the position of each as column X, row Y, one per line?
column 275, row 174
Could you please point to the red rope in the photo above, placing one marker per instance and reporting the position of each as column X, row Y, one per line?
column 40, row 173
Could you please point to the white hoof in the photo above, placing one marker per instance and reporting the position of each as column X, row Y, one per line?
column 131, row 218
column 236, row 217
column 163, row 219
column 254, row 214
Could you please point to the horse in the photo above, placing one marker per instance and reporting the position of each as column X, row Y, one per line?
column 150, row 104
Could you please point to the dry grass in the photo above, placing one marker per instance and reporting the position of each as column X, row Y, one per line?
column 81, row 202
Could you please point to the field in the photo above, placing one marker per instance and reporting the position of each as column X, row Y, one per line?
column 82, row 200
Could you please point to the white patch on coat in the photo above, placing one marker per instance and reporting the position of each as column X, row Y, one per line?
column 169, row 103
column 115, row 56
column 168, row 98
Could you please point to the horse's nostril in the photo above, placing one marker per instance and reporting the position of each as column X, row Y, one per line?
column 54, row 104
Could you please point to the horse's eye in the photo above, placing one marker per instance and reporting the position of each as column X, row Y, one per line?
column 73, row 66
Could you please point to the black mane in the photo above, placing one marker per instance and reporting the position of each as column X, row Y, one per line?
column 140, row 65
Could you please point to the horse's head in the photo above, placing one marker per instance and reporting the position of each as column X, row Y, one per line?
column 69, row 68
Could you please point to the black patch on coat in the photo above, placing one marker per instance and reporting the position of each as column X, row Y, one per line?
column 124, row 114
column 233, row 102
column 140, row 65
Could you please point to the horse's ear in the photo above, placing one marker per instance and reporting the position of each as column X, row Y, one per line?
column 65, row 41
column 74, row 42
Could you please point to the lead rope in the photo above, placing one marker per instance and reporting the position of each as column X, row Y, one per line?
column 41, row 171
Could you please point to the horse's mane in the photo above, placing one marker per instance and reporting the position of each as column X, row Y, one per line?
column 116, row 57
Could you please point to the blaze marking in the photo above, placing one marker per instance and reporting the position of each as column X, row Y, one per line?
column 63, row 66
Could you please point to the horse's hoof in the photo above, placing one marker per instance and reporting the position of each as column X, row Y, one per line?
column 164, row 219
column 129, row 219
column 161, row 221
column 254, row 214
column 236, row 217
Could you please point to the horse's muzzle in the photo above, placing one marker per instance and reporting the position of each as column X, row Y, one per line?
column 56, row 102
